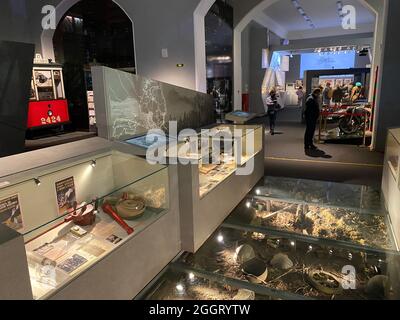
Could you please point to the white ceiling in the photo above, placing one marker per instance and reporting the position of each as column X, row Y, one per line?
column 324, row 15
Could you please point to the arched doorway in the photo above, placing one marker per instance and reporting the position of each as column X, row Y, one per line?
column 240, row 25
column 89, row 32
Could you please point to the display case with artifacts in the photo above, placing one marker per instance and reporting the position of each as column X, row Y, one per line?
column 180, row 282
column 315, row 221
column 391, row 180
column 220, row 159
column 75, row 212
column 308, row 269
column 363, row 199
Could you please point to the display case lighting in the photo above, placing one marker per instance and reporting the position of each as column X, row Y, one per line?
column 310, row 247
column 350, row 256
column 258, row 192
column 248, row 204
column 292, row 243
column 191, row 276
column 220, row 238
column 93, row 163
column 179, row 287
column 330, row 252
column 37, row 181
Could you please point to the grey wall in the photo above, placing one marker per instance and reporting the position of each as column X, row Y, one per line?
column 294, row 69
column 158, row 24
column 258, row 42
column 388, row 110
column 246, row 59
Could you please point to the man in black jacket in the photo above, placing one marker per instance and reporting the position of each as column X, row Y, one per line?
column 311, row 115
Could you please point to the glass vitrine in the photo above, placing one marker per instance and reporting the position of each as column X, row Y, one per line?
column 393, row 152
column 364, row 199
column 75, row 212
column 219, row 151
column 299, row 267
column 316, row 221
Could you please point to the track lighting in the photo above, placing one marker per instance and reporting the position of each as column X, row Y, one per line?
column 93, row 163
column 37, row 181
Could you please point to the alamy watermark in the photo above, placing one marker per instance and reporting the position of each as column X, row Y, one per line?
column 348, row 14
column 49, row 21
column 220, row 145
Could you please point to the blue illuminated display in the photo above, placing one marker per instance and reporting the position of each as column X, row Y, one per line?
column 327, row 61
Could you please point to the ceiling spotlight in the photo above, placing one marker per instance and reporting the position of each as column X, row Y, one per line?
column 37, row 181
column 191, row 276
column 248, row 204
column 220, row 238
column 93, row 163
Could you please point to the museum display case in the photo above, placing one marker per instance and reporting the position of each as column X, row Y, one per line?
column 393, row 152
column 391, row 181
column 219, row 151
column 349, row 227
column 180, row 282
column 74, row 213
column 363, row 199
column 302, row 268
column 219, row 159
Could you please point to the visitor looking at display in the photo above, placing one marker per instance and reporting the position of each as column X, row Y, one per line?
column 311, row 115
column 300, row 95
column 327, row 94
column 273, row 108
column 357, row 92
column 337, row 95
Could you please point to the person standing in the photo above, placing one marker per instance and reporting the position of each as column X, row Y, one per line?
column 311, row 114
column 273, row 107
column 337, row 95
column 300, row 96
column 327, row 94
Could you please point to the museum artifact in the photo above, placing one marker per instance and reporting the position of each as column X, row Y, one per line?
column 256, row 270
column 82, row 216
column 107, row 208
column 130, row 206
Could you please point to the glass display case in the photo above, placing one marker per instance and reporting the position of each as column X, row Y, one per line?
column 75, row 212
column 299, row 267
column 364, row 199
column 180, row 282
column 393, row 152
column 221, row 151
column 316, row 221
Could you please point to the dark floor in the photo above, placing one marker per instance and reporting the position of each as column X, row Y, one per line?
column 335, row 162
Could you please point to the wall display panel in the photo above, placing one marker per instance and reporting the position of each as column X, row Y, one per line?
column 128, row 105
column 74, row 213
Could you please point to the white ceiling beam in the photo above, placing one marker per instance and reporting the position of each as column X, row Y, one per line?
column 329, row 32
column 271, row 24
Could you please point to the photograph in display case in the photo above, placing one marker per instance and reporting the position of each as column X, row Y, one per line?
column 10, row 212
column 66, row 194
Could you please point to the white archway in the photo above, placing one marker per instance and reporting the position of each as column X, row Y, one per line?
column 62, row 8
column 199, row 43
column 199, row 36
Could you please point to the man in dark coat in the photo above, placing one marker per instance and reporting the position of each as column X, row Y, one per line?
column 311, row 115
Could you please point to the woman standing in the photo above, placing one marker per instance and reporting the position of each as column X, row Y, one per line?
column 273, row 108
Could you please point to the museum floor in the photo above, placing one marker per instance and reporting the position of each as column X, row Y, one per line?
column 339, row 163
